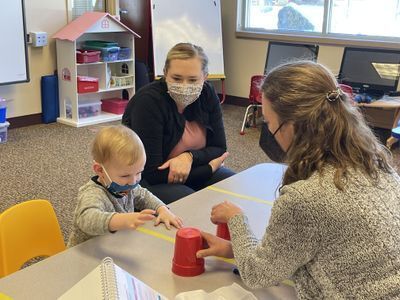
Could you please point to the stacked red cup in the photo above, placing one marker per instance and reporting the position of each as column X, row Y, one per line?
column 223, row 231
column 187, row 242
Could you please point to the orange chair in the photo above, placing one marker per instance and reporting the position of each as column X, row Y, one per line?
column 255, row 101
column 27, row 230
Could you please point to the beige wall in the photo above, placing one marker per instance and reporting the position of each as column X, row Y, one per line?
column 41, row 15
column 246, row 57
column 242, row 57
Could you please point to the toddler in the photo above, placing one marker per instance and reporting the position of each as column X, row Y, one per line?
column 113, row 199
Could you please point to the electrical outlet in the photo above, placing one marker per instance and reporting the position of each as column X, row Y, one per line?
column 39, row 38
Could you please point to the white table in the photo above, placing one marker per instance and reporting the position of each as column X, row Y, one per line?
column 147, row 253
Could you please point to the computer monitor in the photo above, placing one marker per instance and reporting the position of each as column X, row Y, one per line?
column 370, row 70
column 279, row 53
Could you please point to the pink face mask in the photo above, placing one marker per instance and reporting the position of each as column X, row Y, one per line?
column 184, row 94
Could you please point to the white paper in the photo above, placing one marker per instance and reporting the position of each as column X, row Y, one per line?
column 231, row 292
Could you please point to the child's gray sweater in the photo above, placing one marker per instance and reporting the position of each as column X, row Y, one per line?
column 96, row 206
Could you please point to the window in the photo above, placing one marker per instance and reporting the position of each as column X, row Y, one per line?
column 338, row 19
column 366, row 17
column 124, row 69
column 77, row 8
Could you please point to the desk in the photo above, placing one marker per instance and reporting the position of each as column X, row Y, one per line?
column 383, row 113
column 147, row 252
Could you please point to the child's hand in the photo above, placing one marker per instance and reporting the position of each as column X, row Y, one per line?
column 168, row 218
column 141, row 217
column 130, row 220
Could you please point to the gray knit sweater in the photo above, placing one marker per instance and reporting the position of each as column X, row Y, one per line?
column 334, row 244
column 96, row 206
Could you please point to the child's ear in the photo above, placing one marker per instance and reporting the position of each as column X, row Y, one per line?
column 98, row 169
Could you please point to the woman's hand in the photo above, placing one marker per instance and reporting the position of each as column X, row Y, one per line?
column 215, row 246
column 221, row 213
column 179, row 168
column 218, row 162
column 168, row 218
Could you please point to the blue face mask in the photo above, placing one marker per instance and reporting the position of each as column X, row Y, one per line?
column 117, row 189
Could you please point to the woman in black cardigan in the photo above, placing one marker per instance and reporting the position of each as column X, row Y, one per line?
column 179, row 120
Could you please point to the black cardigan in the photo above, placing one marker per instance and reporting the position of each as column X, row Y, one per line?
column 154, row 116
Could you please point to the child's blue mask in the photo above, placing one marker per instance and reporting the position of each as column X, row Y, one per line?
column 117, row 189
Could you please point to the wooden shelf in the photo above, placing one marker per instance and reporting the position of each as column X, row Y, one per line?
column 117, row 88
column 105, row 62
column 103, row 117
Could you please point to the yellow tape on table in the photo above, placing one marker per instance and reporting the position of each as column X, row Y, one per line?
column 156, row 234
column 245, row 197
column 172, row 240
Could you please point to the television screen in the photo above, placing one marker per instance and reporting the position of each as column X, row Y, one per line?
column 370, row 69
column 279, row 53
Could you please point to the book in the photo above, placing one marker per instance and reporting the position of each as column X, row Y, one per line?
column 110, row 282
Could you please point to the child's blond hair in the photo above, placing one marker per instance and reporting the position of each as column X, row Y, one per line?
column 117, row 142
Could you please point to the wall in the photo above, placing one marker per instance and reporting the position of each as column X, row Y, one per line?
column 242, row 57
column 246, row 57
column 41, row 15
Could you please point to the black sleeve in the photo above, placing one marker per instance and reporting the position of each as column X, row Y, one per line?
column 146, row 118
column 216, row 140
column 199, row 175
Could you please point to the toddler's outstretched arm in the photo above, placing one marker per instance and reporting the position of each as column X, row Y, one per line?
column 121, row 221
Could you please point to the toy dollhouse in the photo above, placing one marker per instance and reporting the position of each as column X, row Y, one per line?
column 95, row 60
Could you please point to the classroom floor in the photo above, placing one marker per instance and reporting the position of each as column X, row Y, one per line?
column 52, row 161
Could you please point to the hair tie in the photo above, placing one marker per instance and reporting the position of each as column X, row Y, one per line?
column 334, row 95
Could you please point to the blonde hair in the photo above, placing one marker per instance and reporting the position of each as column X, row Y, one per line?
column 186, row 51
column 117, row 142
column 325, row 132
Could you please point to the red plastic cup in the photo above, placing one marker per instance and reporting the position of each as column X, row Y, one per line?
column 223, row 231
column 187, row 242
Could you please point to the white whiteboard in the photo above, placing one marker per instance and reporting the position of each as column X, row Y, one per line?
column 13, row 51
column 194, row 21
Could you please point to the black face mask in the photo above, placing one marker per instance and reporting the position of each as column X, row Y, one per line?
column 269, row 144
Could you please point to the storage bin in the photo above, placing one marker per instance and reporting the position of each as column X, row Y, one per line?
column 124, row 53
column 3, row 132
column 3, row 110
column 114, row 105
column 87, row 84
column 87, row 56
column 109, row 50
column 85, row 109
column 120, row 81
column 98, row 43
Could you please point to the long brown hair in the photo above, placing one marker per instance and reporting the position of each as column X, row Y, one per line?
column 326, row 132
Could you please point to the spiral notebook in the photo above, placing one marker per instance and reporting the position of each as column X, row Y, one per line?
column 110, row 282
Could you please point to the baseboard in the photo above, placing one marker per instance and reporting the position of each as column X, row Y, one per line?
column 234, row 100
column 25, row 120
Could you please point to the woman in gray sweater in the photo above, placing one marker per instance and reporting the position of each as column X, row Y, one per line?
column 335, row 228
